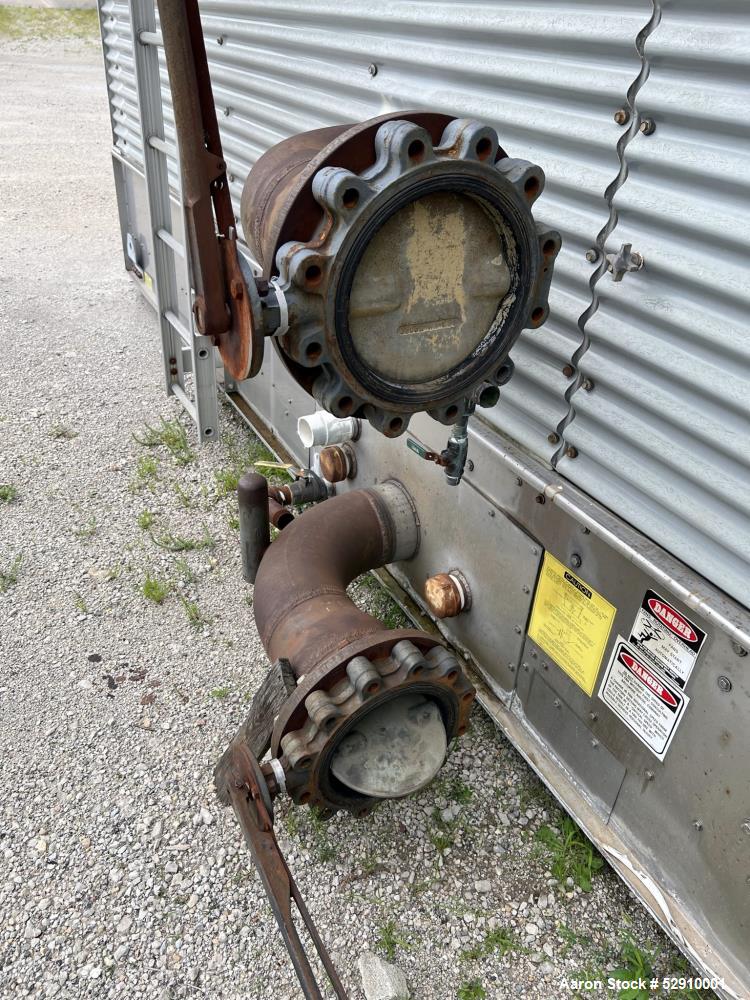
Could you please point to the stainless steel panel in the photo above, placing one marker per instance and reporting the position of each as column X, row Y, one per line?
column 596, row 770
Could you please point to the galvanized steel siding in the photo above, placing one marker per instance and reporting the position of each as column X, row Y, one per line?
column 664, row 436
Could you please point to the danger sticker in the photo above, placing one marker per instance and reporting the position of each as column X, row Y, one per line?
column 649, row 705
column 666, row 638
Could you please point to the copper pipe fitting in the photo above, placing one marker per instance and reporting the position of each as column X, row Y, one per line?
column 447, row 594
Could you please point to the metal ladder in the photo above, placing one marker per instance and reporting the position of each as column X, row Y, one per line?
column 182, row 349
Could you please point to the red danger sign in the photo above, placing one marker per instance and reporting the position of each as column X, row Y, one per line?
column 673, row 619
column 646, row 677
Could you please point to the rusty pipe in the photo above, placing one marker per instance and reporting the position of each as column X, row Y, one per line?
column 302, row 609
column 278, row 515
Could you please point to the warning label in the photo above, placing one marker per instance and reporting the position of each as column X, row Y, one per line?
column 570, row 622
column 666, row 638
column 642, row 698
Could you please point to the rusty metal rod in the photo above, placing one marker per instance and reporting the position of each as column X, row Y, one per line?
column 255, row 534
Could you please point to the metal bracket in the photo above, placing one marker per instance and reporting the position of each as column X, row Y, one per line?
column 618, row 264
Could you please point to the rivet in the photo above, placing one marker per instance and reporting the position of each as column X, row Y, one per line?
column 526, row 667
column 571, row 452
column 575, row 560
column 593, row 716
column 525, row 589
column 557, row 703
column 517, row 629
column 592, row 255
column 535, row 552
column 512, row 667
column 519, row 481
column 545, row 666
column 738, row 649
column 469, row 466
column 491, row 513
column 585, row 530
column 534, row 654
column 553, row 438
column 698, row 825
column 647, row 126
column 745, row 826
column 539, row 498
column 372, row 69
column 587, row 385
column 595, row 744
column 649, row 775
column 622, row 116
column 724, row 684
column 568, row 371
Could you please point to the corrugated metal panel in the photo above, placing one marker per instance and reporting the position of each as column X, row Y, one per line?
column 548, row 75
column 664, row 437
column 123, row 96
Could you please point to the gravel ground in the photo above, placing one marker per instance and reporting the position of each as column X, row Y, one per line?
column 121, row 876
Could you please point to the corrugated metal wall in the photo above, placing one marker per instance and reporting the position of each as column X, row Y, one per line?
column 662, row 438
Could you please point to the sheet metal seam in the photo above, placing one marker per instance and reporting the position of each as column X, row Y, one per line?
column 610, row 225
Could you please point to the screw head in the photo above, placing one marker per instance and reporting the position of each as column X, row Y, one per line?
column 745, row 826
column 622, row 116
column 724, row 684
column 587, row 385
column 575, row 560
column 539, row 498
column 372, row 69
column 592, row 255
column 698, row 824
column 649, row 775
column 568, row 371
column 553, row 438
column 571, row 452
column 739, row 650
column 647, row 126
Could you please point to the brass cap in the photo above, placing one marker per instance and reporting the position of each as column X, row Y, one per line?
column 337, row 463
column 447, row 594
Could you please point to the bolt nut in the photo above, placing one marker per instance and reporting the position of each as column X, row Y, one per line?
column 447, row 594
column 568, row 371
column 647, row 126
column 738, row 649
column 592, row 255
column 724, row 684
column 540, row 498
column 337, row 463
column 622, row 116
column 553, row 438
column 571, row 452
column 372, row 69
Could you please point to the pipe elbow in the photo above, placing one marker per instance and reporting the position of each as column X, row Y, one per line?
column 302, row 609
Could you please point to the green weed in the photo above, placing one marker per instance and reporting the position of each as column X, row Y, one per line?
column 636, row 964
column 571, row 854
column 87, row 530
column 59, row 432
column 194, row 614
column 146, row 473
column 183, row 568
column 171, row 435
column 145, row 519
column 9, row 574
column 184, row 498
column 220, row 693
column 177, row 543
column 154, row 590
column 498, row 941
column 471, row 990
column 8, row 493
column 389, row 939
column 80, row 603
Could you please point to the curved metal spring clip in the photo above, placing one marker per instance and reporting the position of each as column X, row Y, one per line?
column 256, row 821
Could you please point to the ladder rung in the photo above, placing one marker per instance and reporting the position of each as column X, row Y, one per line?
column 185, row 400
column 156, row 143
column 171, row 242
column 150, row 37
column 176, row 323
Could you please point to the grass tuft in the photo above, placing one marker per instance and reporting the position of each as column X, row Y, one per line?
column 145, row 519
column 389, row 940
column 171, row 435
column 194, row 614
column 154, row 589
column 571, row 853
column 9, row 574
column 8, row 493
column 471, row 990
column 177, row 543
column 496, row 942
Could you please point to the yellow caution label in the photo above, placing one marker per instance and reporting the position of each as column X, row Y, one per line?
column 570, row 622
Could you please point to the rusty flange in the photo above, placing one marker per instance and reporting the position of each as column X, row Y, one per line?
column 329, row 704
column 409, row 261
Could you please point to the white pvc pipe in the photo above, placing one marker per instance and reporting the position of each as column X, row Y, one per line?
column 322, row 428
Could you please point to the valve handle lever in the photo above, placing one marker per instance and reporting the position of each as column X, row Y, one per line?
column 249, row 796
column 241, row 783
